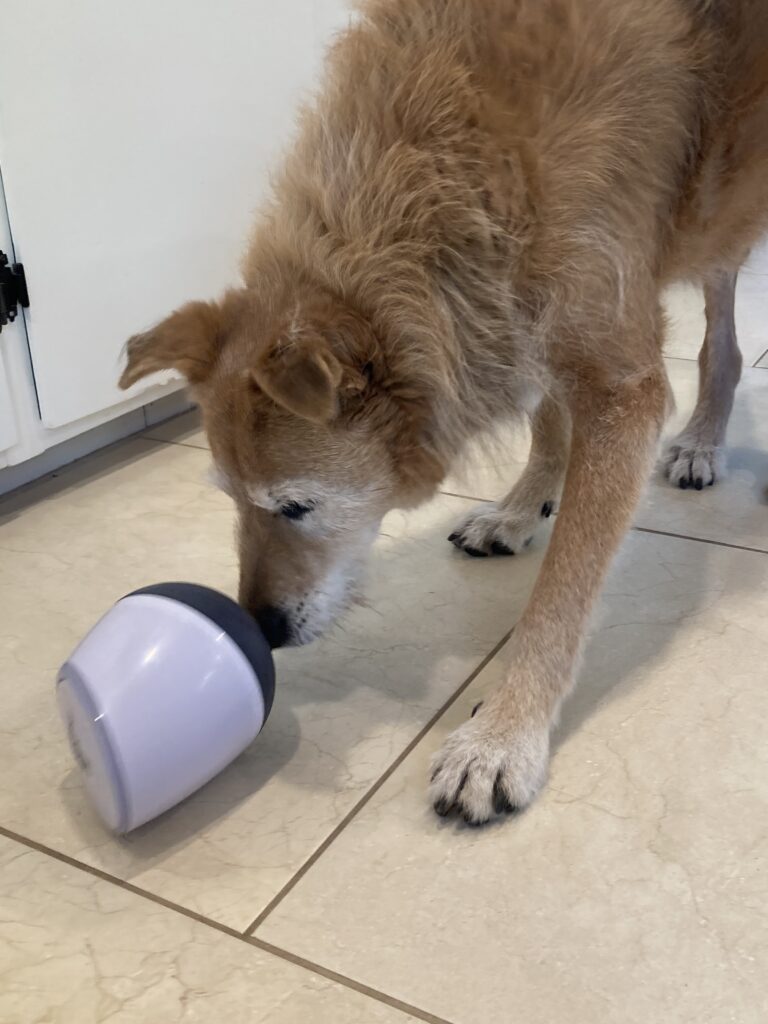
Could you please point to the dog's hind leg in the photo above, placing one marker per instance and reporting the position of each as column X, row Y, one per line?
column 505, row 527
column 695, row 458
column 497, row 761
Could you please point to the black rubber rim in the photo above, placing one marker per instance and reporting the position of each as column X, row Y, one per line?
column 230, row 617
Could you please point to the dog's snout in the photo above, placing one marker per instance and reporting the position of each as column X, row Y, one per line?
column 274, row 625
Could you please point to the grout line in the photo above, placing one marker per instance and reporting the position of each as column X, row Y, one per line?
column 755, row 365
column 466, row 497
column 699, row 540
column 180, row 444
column 266, row 947
column 346, row 981
column 371, row 792
column 105, row 876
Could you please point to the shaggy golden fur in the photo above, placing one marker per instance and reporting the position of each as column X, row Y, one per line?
column 474, row 223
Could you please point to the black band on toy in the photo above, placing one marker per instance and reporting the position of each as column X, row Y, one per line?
column 236, row 623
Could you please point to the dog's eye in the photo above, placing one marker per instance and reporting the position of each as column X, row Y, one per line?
column 295, row 509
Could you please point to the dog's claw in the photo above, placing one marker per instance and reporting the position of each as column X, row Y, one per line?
column 475, row 552
column 694, row 465
column 498, row 548
column 487, row 771
column 457, row 539
column 495, row 529
column 445, row 804
column 501, row 802
column 474, row 822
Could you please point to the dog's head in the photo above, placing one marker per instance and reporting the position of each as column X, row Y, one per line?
column 313, row 435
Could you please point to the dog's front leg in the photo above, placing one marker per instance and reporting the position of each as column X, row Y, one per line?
column 497, row 761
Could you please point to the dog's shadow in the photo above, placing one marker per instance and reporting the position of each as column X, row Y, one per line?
column 755, row 462
column 659, row 582
column 194, row 816
column 622, row 647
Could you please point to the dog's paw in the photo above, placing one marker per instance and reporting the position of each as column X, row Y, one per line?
column 483, row 770
column 688, row 463
column 491, row 529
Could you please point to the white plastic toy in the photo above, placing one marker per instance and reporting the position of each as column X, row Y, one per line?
column 166, row 689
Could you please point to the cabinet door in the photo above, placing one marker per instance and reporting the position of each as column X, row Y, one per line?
column 135, row 141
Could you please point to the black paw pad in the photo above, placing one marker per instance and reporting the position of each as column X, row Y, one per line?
column 476, row 708
column 547, row 509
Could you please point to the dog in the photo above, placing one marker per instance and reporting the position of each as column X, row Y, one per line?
column 475, row 222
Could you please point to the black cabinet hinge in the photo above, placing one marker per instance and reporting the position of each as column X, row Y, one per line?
column 13, row 290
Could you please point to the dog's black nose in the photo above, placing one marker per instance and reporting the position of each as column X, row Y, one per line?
column 274, row 626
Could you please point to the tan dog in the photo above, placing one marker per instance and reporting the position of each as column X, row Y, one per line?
column 475, row 223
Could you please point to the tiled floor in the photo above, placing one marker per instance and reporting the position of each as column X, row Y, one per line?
column 686, row 313
column 310, row 882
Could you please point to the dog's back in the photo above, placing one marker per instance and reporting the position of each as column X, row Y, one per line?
column 542, row 133
column 724, row 210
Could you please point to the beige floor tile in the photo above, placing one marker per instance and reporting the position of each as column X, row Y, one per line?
column 732, row 512
column 633, row 892
column 345, row 708
column 78, row 950
column 488, row 470
column 763, row 364
column 684, row 304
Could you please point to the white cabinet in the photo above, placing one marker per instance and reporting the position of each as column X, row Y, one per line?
column 8, row 433
column 135, row 143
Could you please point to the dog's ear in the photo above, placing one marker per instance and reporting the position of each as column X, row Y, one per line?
column 188, row 341
column 298, row 371
column 311, row 367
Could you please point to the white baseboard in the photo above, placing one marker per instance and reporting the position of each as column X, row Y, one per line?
column 167, row 407
column 78, row 447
